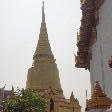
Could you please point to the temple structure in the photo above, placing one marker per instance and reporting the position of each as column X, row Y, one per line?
column 43, row 76
column 94, row 42
column 4, row 94
column 99, row 102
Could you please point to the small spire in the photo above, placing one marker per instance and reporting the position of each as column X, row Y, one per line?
column 72, row 98
column 4, row 86
column 86, row 94
column 72, row 93
column 12, row 89
column 43, row 14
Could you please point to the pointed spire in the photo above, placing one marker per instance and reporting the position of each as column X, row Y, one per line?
column 43, row 51
column 43, row 14
column 98, row 100
column 74, row 102
column 72, row 98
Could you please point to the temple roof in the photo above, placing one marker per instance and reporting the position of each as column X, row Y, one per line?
column 98, row 100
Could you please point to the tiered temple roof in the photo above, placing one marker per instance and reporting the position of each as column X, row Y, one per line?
column 98, row 100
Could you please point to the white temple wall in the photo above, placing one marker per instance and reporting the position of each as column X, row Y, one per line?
column 102, row 49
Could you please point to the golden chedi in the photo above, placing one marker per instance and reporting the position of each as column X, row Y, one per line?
column 44, row 73
column 43, row 76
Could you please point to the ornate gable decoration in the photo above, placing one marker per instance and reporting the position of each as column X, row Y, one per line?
column 87, row 34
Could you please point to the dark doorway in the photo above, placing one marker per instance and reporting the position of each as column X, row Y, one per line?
column 51, row 105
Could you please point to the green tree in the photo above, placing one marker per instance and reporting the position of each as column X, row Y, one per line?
column 24, row 100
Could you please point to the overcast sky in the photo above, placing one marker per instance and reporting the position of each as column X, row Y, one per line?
column 19, row 28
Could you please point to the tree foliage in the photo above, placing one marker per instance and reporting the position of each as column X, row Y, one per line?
column 24, row 101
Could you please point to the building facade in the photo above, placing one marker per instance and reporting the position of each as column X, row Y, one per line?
column 94, row 42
